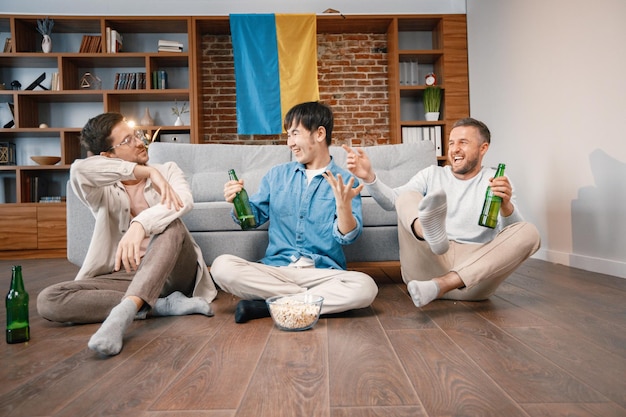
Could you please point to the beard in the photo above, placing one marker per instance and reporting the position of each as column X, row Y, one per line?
column 468, row 166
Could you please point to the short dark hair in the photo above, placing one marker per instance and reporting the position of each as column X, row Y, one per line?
column 96, row 134
column 311, row 115
column 483, row 130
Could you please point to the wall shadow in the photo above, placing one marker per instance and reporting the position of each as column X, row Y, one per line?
column 599, row 212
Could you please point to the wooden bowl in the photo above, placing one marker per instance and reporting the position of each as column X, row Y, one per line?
column 46, row 160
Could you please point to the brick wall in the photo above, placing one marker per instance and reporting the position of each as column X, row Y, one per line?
column 352, row 71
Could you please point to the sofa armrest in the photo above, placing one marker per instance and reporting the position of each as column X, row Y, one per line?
column 80, row 225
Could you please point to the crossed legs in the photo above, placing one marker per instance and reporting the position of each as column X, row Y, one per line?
column 462, row 271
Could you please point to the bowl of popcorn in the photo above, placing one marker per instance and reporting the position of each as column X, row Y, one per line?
column 295, row 312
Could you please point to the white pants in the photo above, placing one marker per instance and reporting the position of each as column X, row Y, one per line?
column 342, row 290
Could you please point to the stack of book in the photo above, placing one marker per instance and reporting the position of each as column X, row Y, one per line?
column 90, row 44
column 170, row 46
column 113, row 40
column 130, row 81
column 159, row 80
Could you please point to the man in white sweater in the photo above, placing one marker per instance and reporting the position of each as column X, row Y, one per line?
column 444, row 252
column 142, row 259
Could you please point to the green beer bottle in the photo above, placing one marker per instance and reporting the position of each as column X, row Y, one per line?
column 18, row 330
column 242, row 206
column 491, row 206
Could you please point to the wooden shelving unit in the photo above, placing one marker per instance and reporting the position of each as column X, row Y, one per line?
column 438, row 43
column 40, row 227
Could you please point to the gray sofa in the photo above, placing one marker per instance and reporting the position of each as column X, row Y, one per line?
column 210, row 223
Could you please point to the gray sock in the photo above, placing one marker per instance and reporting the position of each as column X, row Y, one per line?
column 423, row 292
column 177, row 304
column 109, row 337
column 432, row 217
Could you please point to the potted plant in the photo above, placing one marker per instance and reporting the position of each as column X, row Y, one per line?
column 432, row 102
column 44, row 26
column 176, row 111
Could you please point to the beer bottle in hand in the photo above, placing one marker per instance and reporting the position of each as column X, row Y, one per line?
column 18, row 329
column 242, row 206
column 491, row 206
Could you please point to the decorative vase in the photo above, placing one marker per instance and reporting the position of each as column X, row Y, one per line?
column 432, row 116
column 178, row 122
column 46, row 44
column 147, row 120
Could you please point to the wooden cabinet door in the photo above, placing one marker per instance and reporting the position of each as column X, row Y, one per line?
column 51, row 227
column 18, row 227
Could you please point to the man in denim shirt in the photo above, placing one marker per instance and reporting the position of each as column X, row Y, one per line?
column 313, row 214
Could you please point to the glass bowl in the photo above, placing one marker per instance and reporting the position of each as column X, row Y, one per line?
column 295, row 312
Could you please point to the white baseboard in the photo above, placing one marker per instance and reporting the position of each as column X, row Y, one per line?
column 588, row 263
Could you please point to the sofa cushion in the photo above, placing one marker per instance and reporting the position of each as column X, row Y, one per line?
column 206, row 166
column 395, row 165
column 212, row 216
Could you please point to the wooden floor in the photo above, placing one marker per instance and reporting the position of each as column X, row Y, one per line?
column 551, row 342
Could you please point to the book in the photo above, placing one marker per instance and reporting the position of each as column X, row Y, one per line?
column 176, row 44
column 169, row 46
column 116, row 41
column 170, row 49
column 8, row 45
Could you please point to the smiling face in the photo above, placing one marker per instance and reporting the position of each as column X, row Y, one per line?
column 126, row 144
column 309, row 148
column 466, row 149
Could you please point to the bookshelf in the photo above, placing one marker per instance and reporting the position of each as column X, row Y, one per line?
column 48, row 122
column 47, row 119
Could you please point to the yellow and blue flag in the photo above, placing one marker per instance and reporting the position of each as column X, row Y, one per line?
column 275, row 68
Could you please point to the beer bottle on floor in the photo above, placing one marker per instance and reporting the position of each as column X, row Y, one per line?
column 18, row 329
column 242, row 206
column 491, row 206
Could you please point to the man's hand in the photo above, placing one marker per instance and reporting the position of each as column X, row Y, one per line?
column 501, row 187
column 231, row 188
column 344, row 193
column 169, row 196
column 128, row 250
column 359, row 164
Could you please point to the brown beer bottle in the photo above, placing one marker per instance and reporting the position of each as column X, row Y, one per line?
column 491, row 206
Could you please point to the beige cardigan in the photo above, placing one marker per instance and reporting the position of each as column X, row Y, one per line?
column 97, row 183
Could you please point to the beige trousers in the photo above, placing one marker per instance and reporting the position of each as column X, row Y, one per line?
column 481, row 267
column 169, row 265
column 342, row 290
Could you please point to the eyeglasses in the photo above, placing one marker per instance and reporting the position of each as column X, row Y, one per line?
column 129, row 141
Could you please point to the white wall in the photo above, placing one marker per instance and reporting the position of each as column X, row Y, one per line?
column 548, row 77
column 224, row 7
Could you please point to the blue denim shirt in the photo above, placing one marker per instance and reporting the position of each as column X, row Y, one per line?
column 303, row 218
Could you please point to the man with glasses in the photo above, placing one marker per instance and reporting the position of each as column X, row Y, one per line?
column 142, row 259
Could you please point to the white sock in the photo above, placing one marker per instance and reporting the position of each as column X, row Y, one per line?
column 109, row 337
column 177, row 304
column 432, row 216
column 423, row 292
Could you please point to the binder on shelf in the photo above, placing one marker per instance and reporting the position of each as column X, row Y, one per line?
column 438, row 144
